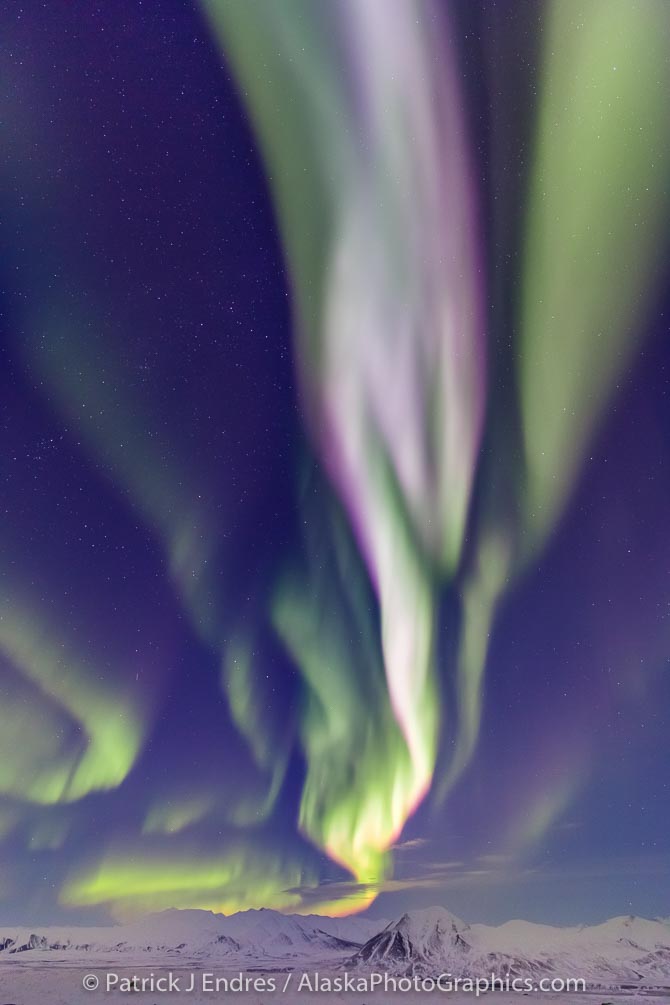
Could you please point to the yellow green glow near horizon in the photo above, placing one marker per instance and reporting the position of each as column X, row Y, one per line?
column 142, row 881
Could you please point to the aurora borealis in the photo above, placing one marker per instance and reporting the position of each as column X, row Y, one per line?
column 334, row 570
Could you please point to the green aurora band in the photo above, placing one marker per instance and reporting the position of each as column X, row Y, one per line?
column 55, row 693
column 85, row 382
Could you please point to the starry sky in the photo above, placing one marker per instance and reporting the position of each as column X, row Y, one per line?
column 334, row 458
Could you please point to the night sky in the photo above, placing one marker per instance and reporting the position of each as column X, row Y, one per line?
column 334, row 458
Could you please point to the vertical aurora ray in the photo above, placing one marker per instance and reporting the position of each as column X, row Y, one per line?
column 595, row 221
column 594, row 225
column 360, row 783
column 359, row 117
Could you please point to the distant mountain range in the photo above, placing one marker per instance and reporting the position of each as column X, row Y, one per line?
column 262, row 935
column 625, row 949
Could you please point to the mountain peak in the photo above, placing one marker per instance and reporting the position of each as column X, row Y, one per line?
column 426, row 918
column 418, row 937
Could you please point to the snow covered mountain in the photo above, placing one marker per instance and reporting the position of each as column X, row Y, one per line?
column 431, row 937
column 625, row 949
column 433, row 940
column 259, row 935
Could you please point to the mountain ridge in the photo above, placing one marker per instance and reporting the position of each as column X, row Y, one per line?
column 430, row 940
